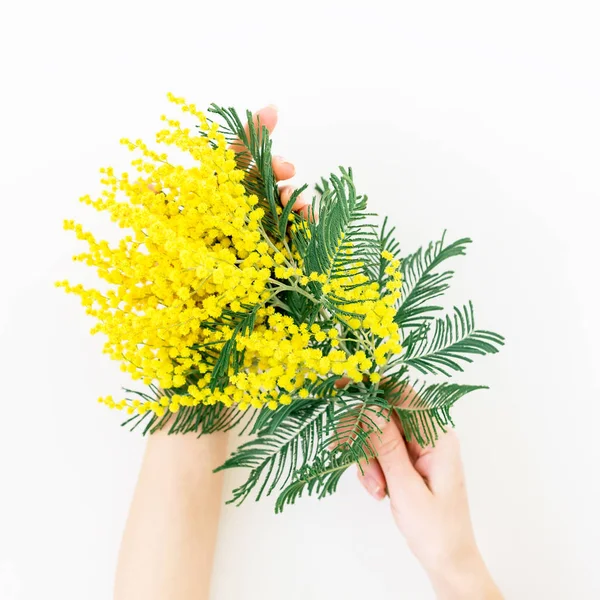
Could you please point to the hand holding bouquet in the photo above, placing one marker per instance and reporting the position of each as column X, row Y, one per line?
column 302, row 328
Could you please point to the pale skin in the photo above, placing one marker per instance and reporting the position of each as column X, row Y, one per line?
column 170, row 535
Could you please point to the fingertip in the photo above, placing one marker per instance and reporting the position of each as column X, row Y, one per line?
column 282, row 168
column 371, row 479
column 285, row 194
column 267, row 116
column 390, row 448
column 342, row 382
column 285, row 191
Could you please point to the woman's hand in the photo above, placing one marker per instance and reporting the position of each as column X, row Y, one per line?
column 429, row 503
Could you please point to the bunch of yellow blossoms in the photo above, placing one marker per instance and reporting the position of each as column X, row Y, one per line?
column 196, row 259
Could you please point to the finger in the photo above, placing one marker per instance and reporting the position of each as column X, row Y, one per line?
column 372, row 479
column 282, row 169
column 441, row 465
column 403, row 398
column 370, row 473
column 403, row 481
column 285, row 193
column 342, row 382
column 266, row 116
column 301, row 205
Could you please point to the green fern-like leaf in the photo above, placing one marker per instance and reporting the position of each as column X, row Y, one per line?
column 354, row 421
column 229, row 354
column 291, row 438
column 287, row 210
column 422, row 282
column 440, row 348
column 320, row 478
column 203, row 419
column 342, row 227
column 275, row 454
column 424, row 410
column 376, row 264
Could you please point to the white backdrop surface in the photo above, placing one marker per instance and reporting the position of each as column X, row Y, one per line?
column 478, row 117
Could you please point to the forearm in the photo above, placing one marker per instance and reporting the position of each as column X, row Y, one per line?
column 170, row 535
column 467, row 580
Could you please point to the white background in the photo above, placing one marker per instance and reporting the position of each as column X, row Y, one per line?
column 479, row 117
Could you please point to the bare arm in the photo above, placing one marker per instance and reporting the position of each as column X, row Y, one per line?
column 170, row 535
column 169, row 540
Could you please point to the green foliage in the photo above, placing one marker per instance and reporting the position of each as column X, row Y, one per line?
column 320, row 478
column 229, row 355
column 438, row 349
column 276, row 453
column 342, row 227
column 190, row 419
column 424, row 410
column 287, row 211
column 289, row 440
column 376, row 264
column 422, row 282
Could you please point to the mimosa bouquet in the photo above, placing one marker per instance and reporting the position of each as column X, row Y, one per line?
column 234, row 311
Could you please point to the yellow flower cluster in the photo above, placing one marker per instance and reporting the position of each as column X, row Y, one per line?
column 196, row 258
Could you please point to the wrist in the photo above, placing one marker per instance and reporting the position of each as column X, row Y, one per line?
column 465, row 578
column 184, row 451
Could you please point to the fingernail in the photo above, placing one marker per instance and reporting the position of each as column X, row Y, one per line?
column 373, row 487
column 283, row 161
